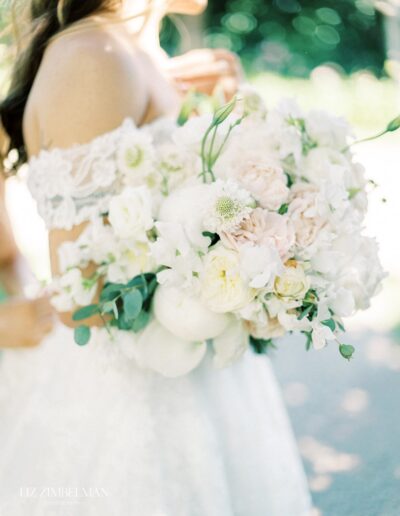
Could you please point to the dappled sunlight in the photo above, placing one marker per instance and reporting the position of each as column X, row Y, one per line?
column 355, row 401
column 320, row 483
column 325, row 459
column 382, row 351
column 295, row 394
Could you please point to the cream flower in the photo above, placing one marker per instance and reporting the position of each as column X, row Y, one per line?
column 262, row 227
column 223, row 289
column 293, row 283
column 267, row 183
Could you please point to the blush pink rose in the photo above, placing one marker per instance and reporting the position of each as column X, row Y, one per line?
column 270, row 329
column 262, row 227
column 266, row 182
column 304, row 214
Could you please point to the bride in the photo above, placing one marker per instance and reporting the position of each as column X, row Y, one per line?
column 84, row 431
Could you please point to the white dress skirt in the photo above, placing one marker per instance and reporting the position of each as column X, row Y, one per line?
column 84, row 432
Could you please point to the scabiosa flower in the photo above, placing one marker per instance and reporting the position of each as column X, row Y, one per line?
column 229, row 206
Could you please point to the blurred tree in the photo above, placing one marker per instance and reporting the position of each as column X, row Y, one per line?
column 293, row 36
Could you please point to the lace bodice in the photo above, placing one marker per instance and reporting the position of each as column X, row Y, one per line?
column 72, row 185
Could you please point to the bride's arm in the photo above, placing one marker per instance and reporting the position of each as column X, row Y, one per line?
column 85, row 89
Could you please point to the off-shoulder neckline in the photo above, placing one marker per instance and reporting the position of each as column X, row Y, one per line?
column 128, row 122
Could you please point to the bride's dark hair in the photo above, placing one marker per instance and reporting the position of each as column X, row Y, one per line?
column 46, row 19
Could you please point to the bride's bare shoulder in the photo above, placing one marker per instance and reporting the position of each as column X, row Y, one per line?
column 87, row 84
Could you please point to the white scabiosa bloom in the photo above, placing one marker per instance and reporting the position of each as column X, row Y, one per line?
column 228, row 206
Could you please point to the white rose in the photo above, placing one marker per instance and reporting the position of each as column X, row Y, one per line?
column 185, row 316
column 130, row 213
column 223, row 288
column 231, row 344
column 159, row 350
column 293, row 283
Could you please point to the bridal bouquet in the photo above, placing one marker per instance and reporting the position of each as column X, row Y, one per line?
column 231, row 229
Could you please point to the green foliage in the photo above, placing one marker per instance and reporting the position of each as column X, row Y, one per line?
column 82, row 335
column 346, row 351
column 261, row 346
column 123, row 306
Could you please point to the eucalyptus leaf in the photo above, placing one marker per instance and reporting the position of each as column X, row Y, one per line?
column 82, row 335
column 347, row 351
column 111, row 291
column 141, row 321
column 85, row 312
column 133, row 302
column 330, row 323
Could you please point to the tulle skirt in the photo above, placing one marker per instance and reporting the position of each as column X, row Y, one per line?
column 84, row 432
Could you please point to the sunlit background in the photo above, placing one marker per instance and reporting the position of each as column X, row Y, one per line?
column 344, row 56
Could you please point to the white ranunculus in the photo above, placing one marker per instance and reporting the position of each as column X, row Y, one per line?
column 293, row 283
column 260, row 264
column 185, row 316
column 130, row 213
column 223, row 288
column 159, row 350
column 231, row 344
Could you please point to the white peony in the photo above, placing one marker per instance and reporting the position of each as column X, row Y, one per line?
column 159, row 350
column 130, row 213
column 223, row 287
column 185, row 316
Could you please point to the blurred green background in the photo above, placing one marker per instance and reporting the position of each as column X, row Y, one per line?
column 340, row 53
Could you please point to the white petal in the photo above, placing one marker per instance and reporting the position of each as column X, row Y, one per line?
column 231, row 345
column 157, row 349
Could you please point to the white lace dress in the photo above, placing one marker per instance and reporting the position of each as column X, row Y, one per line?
column 85, row 432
